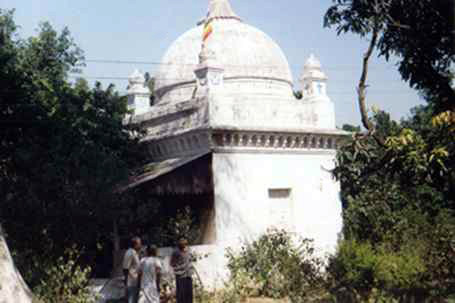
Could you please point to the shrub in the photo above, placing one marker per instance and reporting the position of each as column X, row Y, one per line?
column 399, row 273
column 65, row 281
column 183, row 225
column 352, row 270
column 275, row 266
column 360, row 272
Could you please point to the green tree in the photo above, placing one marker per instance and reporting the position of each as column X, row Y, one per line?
column 397, row 178
column 351, row 128
column 418, row 33
column 64, row 149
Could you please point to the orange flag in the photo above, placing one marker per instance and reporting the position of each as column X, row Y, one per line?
column 208, row 29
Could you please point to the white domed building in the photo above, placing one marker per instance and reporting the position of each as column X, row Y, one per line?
column 226, row 133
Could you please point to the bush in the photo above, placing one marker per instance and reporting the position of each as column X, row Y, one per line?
column 65, row 281
column 352, row 271
column 184, row 225
column 412, row 254
column 275, row 266
column 360, row 273
column 279, row 267
column 167, row 229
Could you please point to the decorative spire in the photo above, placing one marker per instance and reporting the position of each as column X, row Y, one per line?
column 209, row 74
column 312, row 69
column 138, row 93
column 221, row 9
column 218, row 10
column 314, row 81
column 312, row 62
column 136, row 78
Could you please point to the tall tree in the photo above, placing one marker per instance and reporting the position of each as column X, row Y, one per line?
column 418, row 33
column 10, row 279
column 64, row 147
column 397, row 179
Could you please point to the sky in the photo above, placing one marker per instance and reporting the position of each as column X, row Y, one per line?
column 142, row 30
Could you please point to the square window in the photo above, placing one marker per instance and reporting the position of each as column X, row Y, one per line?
column 279, row 193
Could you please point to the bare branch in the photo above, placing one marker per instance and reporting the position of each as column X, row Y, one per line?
column 361, row 90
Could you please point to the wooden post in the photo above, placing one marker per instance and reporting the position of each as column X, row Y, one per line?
column 116, row 247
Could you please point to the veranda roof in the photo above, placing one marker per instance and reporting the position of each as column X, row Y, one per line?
column 154, row 170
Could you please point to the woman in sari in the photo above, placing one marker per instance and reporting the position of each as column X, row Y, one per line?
column 149, row 277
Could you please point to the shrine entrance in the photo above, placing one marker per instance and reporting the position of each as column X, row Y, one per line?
column 171, row 199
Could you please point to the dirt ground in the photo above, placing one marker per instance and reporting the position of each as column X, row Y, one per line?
column 265, row 300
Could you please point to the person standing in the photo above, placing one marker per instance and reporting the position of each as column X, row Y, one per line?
column 131, row 264
column 182, row 263
column 149, row 277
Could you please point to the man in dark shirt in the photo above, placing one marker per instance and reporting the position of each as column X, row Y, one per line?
column 182, row 263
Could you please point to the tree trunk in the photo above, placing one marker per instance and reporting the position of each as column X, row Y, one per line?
column 12, row 287
column 116, row 252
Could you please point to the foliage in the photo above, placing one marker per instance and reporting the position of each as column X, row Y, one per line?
column 160, row 222
column 397, row 179
column 275, row 266
column 298, row 95
column 183, row 225
column 415, row 158
column 65, row 281
column 361, row 273
column 401, row 193
column 64, row 147
column 203, row 295
column 350, row 128
column 423, row 60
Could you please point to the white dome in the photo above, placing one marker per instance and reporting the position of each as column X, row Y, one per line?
column 254, row 65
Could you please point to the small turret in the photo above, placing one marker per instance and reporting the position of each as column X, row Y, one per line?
column 314, row 81
column 138, row 93
column 209, row 73
column 314, row 91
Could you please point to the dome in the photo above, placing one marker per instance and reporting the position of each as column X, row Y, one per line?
column 254, row 65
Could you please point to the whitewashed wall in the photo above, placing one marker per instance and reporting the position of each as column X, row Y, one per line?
column 265, row 112
column 244, row 210
column 206, row 266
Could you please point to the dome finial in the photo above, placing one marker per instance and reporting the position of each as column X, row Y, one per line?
column 138, row 93
column 313, row 62
column 136, row 78
column 313, row 69
column 314, row 81
column 221, row 9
